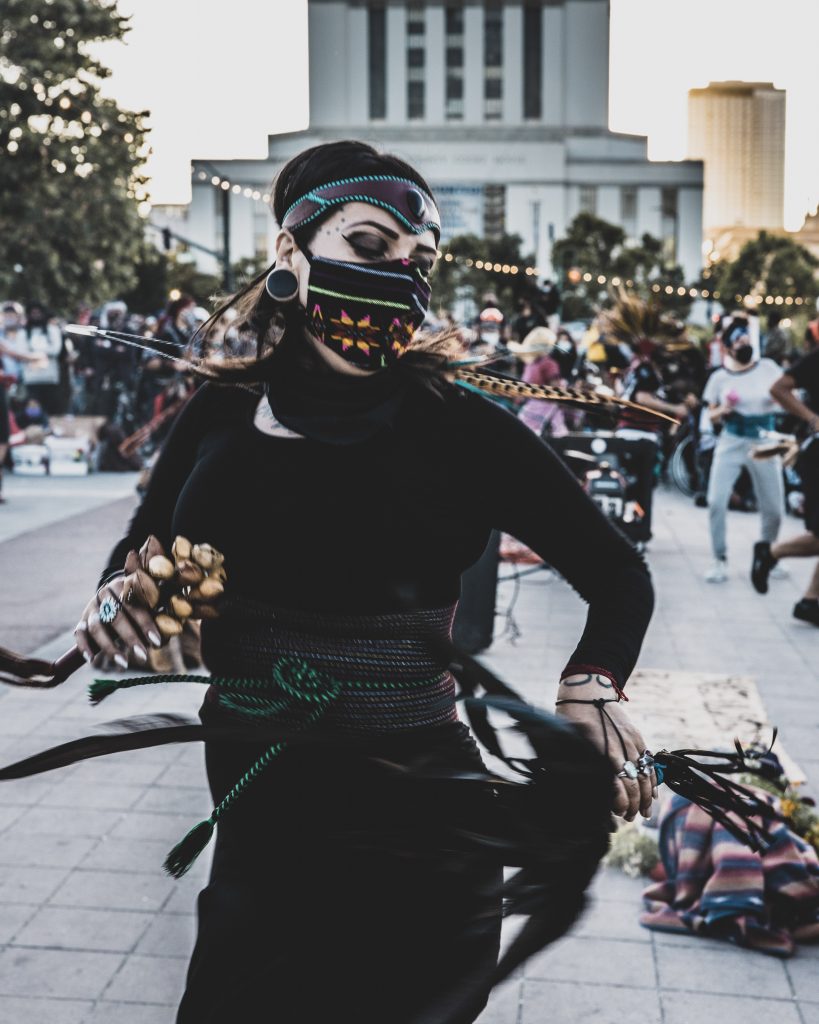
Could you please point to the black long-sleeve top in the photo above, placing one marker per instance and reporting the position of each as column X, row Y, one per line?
column 354, row 528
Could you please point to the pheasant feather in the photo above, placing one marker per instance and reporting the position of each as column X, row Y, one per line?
column 508, row 387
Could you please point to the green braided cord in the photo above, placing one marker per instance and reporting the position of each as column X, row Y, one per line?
column 255, row 769
column 296, row 679
column 239, row 787
column 300, row 668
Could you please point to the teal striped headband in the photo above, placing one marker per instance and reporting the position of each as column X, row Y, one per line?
column 403, row 198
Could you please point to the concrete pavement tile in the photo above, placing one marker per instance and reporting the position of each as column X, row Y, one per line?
column 46, row 851
column 810, row 1012
column 149, row 979
column 504, row 1004
column 26, row 884
column 734, row 972
column 43, row 1011
column 64, row 821
column 804, row 974
column 107, row 931
column 8, row 815
column 686, row 939
column 169, row 935
column 612, row 919
column 25, row 792
column 602, row 961
column 12, row 918
column 613, row 884
column 567, row 1003
column 181, row 774
column 143, row 855
column 184, row 897
column 85, row 795
column 56, row 973
column 695, row 1008
column 176, row 800
column 170, row 828
column 127, row 1013
column 114, row 771
column 116, row 890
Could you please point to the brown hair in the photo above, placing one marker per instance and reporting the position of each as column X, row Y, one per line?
column 268, row 321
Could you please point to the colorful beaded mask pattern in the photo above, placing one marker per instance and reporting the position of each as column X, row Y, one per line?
column 366, row 313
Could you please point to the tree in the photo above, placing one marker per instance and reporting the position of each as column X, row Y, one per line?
column 70, row 181
column 184, row 276
column 459, row 279
column 767, row 265
column 594, row 249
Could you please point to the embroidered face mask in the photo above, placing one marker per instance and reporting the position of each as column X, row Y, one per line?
column 366, row 313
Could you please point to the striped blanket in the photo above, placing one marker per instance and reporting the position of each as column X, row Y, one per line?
column 716, row 886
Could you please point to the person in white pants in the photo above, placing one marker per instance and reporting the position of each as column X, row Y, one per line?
column 739, row 400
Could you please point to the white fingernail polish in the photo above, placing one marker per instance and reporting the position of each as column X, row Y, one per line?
column 86, row 655
column 155, row 639
column 140, row 652
column 122, row 662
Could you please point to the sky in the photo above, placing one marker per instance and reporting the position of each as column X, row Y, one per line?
column 219, row 77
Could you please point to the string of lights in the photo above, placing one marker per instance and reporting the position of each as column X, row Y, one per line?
column 575, row 275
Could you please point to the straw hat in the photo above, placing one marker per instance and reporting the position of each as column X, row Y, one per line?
column 538, row 342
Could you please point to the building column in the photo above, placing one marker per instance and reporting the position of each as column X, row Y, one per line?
column 358, row 92
column 396, row 64
column 435, row 71
column 553, row 67
column 512, row 64
column 473, row 62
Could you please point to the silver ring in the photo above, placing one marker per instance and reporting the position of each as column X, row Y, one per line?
column 630, row 771
column 645, row 762
column 109, row 609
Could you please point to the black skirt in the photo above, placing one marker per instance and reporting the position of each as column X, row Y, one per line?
column 337, row 893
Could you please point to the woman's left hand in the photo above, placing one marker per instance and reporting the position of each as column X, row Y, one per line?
column 631, row 795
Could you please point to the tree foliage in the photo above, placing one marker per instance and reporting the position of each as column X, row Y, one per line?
column 457, row 280
column 767, row 265
column 70, row 158
column 594, row 248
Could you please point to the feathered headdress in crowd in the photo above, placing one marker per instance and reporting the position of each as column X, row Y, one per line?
column 632, row 320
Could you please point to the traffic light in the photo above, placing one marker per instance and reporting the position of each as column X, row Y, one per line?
column 166, row 238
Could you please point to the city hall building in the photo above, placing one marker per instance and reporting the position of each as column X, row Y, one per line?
column 503, row 107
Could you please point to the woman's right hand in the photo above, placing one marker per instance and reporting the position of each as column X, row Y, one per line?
column 125, row 639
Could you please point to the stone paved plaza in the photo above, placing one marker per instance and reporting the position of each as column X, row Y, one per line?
column 92, row 931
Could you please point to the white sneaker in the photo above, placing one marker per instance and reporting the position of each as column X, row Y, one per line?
column 718, row 573
column 779, row 572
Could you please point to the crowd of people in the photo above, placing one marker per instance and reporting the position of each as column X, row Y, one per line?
column 733, row 391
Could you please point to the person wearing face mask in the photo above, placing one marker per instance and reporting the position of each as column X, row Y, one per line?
column 343, row 476
column 739, row 401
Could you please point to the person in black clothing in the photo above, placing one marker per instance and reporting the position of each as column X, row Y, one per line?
column 802, row 375
column 643, row 385
column 344, row 479
column 529, row 317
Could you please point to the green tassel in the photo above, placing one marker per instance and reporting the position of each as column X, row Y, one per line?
column 185, row 853
column 102, row 688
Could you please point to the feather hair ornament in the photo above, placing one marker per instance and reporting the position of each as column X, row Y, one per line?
column 482, row 380
column 509, row 387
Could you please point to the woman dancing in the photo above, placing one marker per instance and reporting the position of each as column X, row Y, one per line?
column 349, row 483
